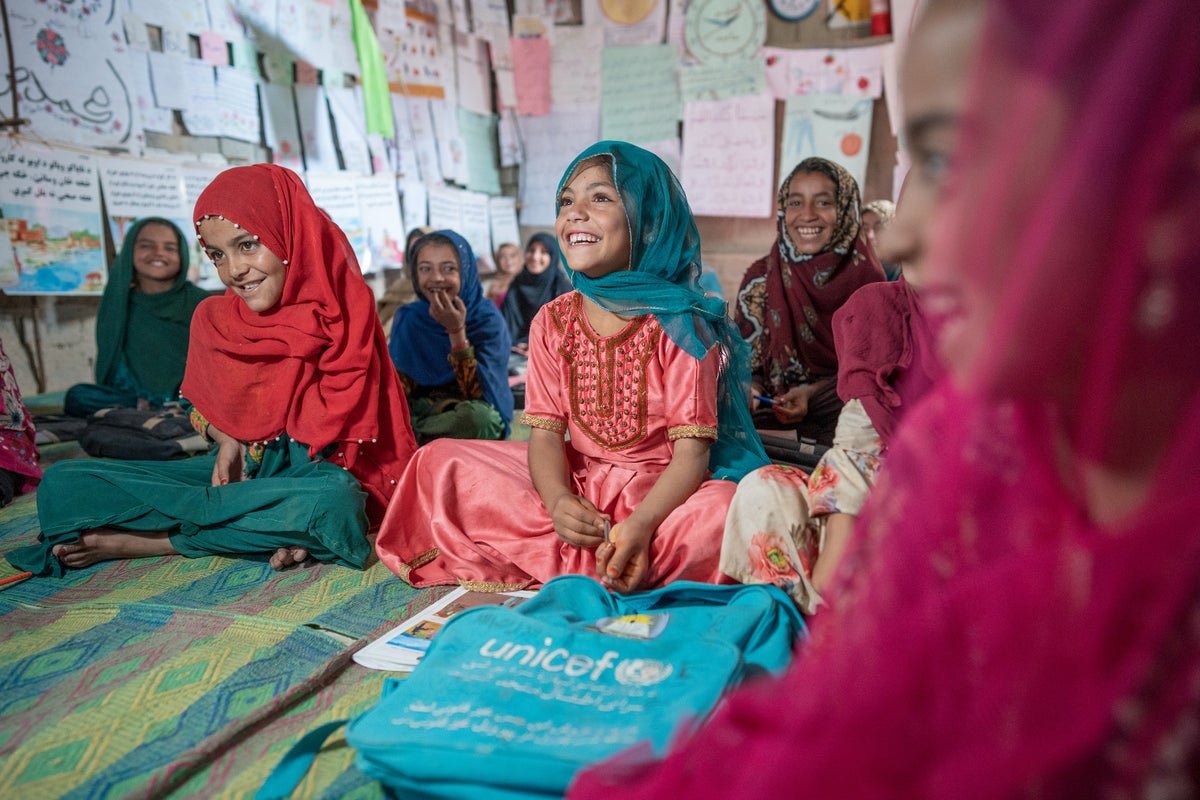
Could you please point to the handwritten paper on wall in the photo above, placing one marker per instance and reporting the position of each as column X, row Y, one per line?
column 69, row 68
column 478, row 133
column 550, row 144
column 830, row 126
column 729, row 156
column 334, row 192
column 134, row 189
column 531, row 74
column 639, row 93
column 51, row 204
column 464, row 212
column 280, row 127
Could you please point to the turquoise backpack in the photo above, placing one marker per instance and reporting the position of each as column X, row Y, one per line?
column 510, row 703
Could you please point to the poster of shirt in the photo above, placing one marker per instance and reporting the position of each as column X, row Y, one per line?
column 830, row 126
column 50, row 202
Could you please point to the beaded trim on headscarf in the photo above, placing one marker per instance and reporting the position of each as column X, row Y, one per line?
column 200, row 238
column 847, row 222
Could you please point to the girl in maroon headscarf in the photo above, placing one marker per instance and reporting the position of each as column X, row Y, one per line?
column 1023, row 615
column 787, row 298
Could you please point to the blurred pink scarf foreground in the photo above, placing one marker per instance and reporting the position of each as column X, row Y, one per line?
column 1029, row 651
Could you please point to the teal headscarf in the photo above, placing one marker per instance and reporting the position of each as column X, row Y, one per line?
column 145, row 335
column 664, row 280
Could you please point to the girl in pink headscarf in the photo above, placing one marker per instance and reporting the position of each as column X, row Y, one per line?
column 1021, row 612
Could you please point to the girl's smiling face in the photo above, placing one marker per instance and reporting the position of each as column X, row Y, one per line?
column 592, row 230
column 537, row 258
column 156, row 260
column 243, row 263
column 438, row 270
column 810, row 211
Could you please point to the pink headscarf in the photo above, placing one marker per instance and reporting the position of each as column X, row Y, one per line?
column 999, row 633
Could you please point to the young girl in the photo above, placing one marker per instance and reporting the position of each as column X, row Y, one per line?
column 289, row 375
column 787, row 298
column 508, row 265
column 646, row 375
column 451, row 347
column 142, row 325
column 539, row 282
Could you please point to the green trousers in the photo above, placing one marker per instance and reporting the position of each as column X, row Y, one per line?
column 290, row 502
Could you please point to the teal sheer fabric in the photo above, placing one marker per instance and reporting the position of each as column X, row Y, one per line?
column 664, row 280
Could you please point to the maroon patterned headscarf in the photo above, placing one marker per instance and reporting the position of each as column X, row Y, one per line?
column 786, row 304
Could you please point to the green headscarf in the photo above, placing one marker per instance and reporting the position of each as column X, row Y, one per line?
column 147, row 334
column 664, row 280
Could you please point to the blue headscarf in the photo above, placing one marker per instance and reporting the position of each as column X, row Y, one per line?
column 664, row 280
column 420, row 347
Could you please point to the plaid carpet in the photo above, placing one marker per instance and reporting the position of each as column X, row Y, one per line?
column 175, row 677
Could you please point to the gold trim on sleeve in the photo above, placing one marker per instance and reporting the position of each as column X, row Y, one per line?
column 545, row 423
column 692, row 432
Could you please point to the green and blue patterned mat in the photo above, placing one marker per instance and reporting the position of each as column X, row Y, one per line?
column 175, row 677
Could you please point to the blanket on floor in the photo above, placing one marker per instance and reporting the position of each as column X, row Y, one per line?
column 176, row 677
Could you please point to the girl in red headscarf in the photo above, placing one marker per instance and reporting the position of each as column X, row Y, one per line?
column 288, row 373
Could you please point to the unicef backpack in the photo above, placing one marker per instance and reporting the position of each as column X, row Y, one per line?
column 509, row 703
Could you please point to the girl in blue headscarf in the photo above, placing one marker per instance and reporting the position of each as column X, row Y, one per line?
column 637, row 405
column 451, row 346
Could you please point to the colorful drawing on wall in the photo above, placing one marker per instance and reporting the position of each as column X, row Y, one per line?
column 70, row 68
column 413, row 55
column 50, row 204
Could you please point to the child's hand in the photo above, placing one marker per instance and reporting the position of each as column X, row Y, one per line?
column 792, row 406
column 576, row 521
column 228, row 466
column 448, row 309
column 622, row 562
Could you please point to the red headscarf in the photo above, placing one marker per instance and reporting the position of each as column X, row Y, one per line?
column 1020, row 609
column 314, row 366
column 886, row 352
column 786, row 301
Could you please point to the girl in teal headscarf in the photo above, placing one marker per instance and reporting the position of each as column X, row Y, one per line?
column 637, row 403
column 143, row 321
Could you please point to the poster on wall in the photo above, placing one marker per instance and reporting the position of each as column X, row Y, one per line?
column 412, row 52
column 728, row 156
column 50, row 204
column 379, row 210
column 135, row 189
column 195, row 180
column 830, row 126
column 70, row 68
column 334, row 193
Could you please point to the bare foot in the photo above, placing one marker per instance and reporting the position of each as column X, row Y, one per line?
column 288, row 557
column 107, row 544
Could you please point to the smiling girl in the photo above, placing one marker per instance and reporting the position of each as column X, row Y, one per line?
column 142, row 323
column 289, row 375
column 451, row 347
column 787, row 298
column 635, row 402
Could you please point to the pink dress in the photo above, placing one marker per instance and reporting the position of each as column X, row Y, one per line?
column 466, row 512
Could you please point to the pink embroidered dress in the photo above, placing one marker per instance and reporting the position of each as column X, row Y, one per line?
column 467, row 512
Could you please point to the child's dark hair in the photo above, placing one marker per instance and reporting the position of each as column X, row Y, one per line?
column 434, row 238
